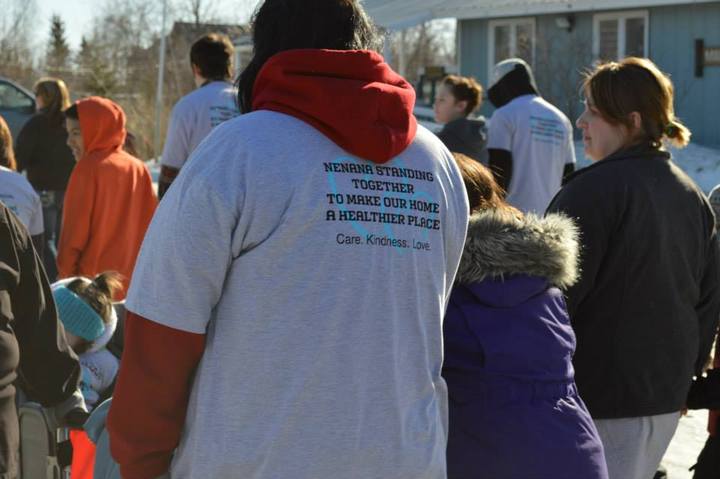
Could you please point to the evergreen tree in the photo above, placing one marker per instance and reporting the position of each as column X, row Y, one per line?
column 97, row 77
column 58, row 51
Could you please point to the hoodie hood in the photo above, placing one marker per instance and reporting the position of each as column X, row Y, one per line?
column 102, row 123
column 510, row 79
column 353, row 97
column 534, row 247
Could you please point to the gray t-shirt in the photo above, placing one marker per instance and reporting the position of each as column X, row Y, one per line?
column 539, row 136
column 321, row 281
column 194, row 116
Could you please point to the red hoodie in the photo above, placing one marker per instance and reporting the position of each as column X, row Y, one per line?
column 352, row 96
column 109, row 200
column 356, row 100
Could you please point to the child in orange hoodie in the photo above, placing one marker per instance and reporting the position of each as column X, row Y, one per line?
column 109, row 200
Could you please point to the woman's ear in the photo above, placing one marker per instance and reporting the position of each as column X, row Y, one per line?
column 461, row 106
column 636, row 120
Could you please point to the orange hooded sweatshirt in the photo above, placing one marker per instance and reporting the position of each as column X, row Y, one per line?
column 109, row 201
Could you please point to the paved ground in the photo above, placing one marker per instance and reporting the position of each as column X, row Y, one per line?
column 686, row 445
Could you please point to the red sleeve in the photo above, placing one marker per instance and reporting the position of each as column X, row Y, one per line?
column 151, row 396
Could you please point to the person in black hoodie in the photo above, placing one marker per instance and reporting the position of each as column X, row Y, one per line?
column 530, row 141
column 646, row 308
column 41, row 150
column 34, row 353
column 456, row 99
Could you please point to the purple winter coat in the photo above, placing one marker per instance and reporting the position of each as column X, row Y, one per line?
column 514, row 408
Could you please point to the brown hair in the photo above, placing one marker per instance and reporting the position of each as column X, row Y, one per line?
column 465, row 89
column 617, row 89
column 482, row 190
column 98, row 294
column 55, row 96
column 7, row 155
column 213, row 55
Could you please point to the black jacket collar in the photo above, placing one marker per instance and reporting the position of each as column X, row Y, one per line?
column 634, row 152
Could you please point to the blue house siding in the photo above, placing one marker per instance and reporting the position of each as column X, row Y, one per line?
column 673, row 31
column 561, row 56
column 560, row 59
column 473, row 50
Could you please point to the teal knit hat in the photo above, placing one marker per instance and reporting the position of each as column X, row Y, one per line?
column 77, row 316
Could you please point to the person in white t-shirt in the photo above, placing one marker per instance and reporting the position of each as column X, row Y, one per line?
column 196, row 114
column 530, row 141
column 285, row 314
column 17, row 193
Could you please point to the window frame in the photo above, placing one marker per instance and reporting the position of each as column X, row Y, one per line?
column 512, row 23
column 621, row 17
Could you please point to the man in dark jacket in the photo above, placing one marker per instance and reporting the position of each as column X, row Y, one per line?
column 33, row 350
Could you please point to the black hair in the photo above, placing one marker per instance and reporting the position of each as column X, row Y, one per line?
column 212, row 54
column 72, row 112
column 280, row 25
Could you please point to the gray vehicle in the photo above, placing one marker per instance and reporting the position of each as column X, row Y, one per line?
column 17, row 105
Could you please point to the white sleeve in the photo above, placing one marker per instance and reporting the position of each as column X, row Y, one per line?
column 187, row 251
column 456, row 224
column 500, row 132
column 36, row 226
column 177, row 142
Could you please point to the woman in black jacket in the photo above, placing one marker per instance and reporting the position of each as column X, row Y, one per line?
column 646, row 307
column 34, row 353
column 42, row 150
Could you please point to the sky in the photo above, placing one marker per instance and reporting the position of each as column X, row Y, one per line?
column 78, row 16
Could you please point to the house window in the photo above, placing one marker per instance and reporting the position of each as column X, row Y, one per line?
column 511, row 39
column 620, row 35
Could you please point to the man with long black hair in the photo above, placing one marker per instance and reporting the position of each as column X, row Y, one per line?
column 285, row 314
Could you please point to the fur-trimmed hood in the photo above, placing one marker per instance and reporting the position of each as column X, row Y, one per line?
column 499, row 246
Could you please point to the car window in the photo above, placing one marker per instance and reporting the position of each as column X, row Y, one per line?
column 12, row 98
